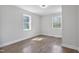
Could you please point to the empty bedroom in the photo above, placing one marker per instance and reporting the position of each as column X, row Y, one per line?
column 39, row 29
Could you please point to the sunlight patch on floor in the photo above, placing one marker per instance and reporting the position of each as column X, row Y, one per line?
column 38, row 39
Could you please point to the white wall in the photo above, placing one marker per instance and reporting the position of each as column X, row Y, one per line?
column 69, row 17
column 0, row 26
column 47, row 28
column 78, row 27
column 12, row 24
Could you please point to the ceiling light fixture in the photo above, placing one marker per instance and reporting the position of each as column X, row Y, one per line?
column 43, row 6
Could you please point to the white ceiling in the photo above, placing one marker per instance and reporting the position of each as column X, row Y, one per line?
column 42, row 11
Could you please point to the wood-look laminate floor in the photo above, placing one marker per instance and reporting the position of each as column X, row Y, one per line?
column 39, row 44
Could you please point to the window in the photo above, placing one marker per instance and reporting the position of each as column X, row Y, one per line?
column 27, row 22
column 57, row 21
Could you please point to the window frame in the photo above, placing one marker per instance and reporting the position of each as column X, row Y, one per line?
column 60, row 22
column 27, row 22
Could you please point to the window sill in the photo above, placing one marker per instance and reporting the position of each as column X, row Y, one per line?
column 27, row 29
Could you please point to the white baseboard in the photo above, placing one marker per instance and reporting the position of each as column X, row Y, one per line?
column 53, row 35
column 70, row 46
column 15, row 41
column 12, row 42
